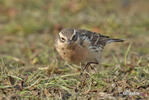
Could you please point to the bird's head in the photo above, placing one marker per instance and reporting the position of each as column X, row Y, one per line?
column 68, row 37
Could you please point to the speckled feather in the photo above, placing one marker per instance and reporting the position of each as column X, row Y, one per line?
column 95, row 41
column 86, row 49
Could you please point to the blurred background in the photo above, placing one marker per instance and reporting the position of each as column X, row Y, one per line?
column 24, row 17
column 28, row 29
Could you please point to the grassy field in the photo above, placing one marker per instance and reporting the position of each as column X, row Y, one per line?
column 30, row 68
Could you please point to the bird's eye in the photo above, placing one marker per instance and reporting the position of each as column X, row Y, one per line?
column 74, row 38
column 62, row 39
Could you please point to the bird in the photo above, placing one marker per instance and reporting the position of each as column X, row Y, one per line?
column 82, row 47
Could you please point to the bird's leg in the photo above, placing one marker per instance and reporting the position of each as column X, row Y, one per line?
column 82, row 69
column 86, row 66
column 89, row 64
column 93, row 68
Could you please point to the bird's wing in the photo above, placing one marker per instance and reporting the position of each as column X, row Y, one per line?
column 95, row 40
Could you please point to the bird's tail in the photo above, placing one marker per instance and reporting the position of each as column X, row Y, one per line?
column 114, row 40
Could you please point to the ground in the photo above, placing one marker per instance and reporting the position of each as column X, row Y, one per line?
column 30, row 67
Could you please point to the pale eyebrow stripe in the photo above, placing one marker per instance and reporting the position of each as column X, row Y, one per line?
column 74, row 33
column 61, row 35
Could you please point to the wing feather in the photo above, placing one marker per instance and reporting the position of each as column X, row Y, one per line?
column 95, row 40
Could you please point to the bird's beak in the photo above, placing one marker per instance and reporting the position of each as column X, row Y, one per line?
column 69, row 42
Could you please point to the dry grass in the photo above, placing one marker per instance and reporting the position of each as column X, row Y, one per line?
column 31, row 69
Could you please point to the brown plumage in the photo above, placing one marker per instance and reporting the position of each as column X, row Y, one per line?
column 80, row 46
